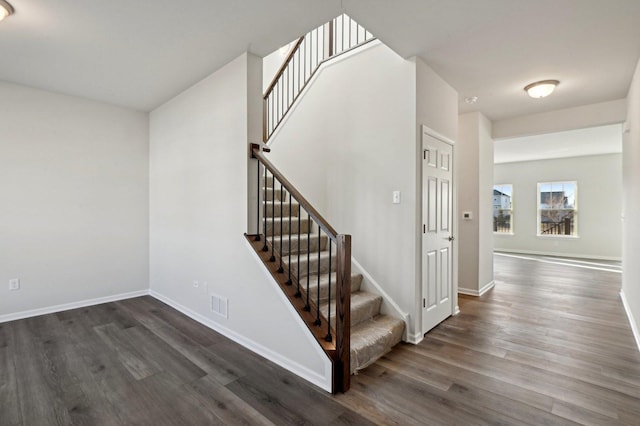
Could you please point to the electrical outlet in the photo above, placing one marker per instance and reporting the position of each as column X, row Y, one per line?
column 14, row 284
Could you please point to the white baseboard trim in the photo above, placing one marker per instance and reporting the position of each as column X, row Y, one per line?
column 389, row 307
column 415, row 338
column 557, row 254
column 478, row 293
column 253, row 346
column 632, row 321
column 73, row 305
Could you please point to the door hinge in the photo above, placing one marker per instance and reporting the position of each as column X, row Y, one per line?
column 424, row 228
column 424, row 303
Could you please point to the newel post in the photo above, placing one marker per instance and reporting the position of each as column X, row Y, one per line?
column 342, row 366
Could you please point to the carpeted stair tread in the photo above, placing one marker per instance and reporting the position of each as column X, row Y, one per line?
column 372, row 339
column 364, row 306
column 287, row 225
column 304, row 244
column 356, row 281
column 314, row 263
column 275, row 206
column 277, row 194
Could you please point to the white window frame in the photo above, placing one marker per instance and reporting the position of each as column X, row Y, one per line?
column 511, row 231
column 574, row 209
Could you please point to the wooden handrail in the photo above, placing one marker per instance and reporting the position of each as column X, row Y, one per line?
column 306, row 205
column 283, row 67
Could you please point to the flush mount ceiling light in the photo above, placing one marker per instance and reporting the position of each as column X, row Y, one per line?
column 541, row 89
column 5, row 9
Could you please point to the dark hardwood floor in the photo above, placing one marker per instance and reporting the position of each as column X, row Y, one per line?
column 550, row 344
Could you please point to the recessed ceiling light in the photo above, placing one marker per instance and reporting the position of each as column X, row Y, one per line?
column 541, row 89
column 471, row 100
column 5, row 9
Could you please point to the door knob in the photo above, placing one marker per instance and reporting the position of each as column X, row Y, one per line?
column 450, row 238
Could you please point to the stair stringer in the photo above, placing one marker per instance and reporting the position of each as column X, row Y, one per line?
column 389, row 306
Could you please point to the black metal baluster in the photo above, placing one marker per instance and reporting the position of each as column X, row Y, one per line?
column 317, row 321
column 298, row 293
column 273, row 219
column 289, row 282
column 265, row 247
column 343, row 31
column 258, row 205
column 310, row 54
column 299, row 53
column 271, row 110
column 328, row 337
column 308, row 306
column 289, row 83
column 280, row 268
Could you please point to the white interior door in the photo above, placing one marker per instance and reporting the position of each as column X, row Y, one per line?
column 437, row 234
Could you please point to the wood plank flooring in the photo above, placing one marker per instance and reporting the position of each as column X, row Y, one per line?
column 550, row 344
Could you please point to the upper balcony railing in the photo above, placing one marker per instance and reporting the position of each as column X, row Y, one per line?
column 319, row 45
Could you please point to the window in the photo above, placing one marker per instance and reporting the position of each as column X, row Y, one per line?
column 502, row 209
column 557, row 213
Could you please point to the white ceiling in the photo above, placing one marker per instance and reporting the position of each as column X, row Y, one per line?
column 573, row 143
column 140, row 53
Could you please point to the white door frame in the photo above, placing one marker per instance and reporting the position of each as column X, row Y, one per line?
column 454, row 227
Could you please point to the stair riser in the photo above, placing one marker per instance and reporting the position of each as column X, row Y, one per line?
column 277, row 195
column 276, row 226
column 313, row 265
column 375, row 348
column 356, row 281
column 306, row 244
column 359, row 313
column 268, row 182
column 281, row 210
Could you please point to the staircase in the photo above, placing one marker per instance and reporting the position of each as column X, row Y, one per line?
column 309, row 260
column 372, row 333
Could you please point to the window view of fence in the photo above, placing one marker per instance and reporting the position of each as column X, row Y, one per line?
column 557, row 212
column 503, row 208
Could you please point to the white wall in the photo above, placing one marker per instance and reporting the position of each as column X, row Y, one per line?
column 631, row 225
column 599, row 205
column 475, row 181
column 351, row 142
column 198, row 209
column 74, row 201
